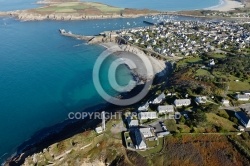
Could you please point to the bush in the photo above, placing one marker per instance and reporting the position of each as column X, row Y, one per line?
column 245, row 135
column 233, row 119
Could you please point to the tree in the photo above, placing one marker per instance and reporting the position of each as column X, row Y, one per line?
column 199, row 117
column 245, row 135
column 182, row 119
column 233, row 119
column 211, row 107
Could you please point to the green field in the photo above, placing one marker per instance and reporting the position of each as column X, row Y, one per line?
column 78, row 7
column 220, row 121
column 187, row 61
column 202, row 72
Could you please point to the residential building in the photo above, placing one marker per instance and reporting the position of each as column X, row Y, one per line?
column 225, row 102
column 132, row 123
column 147, row 132
column 162, row 134
column 99, row 130
column 147, row 115
column 246, row 93
column 165, row 109
column 211, row 62
column 243, row 117
column 144, row 107
column 182, row 102
column 159, row 99
column 241, row 97
column 201, row 99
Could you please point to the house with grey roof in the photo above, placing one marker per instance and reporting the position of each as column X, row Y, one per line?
column 132, row 123
column 182, row 102
column 243, row 117
column 144, row 107
column 147, row 115
column 246, row 93
column 243, row 97
column 159, row 99
column 162, row 134
column 147, row 132
column 201, row 99
column 162, row 109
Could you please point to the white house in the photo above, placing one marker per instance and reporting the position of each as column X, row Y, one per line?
column 147, row 115
column 244, row 119
column 201, row 99
column 246, row 93
column 182, row 102
column 147, row 132
column 162, row 134
column 225, row 102
column 144, row 107
column 159, row 99
column 211, row 62
column 132, row 123
column 240, row 97
column 99, row 130
column 165, row 109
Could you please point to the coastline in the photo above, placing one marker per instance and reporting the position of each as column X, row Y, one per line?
column 27, row 16
column 223, row 7
column 69, row 128
column 226, row 5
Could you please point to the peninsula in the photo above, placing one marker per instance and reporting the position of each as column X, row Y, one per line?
column 60, row 10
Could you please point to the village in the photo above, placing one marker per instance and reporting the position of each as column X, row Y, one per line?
column 146, row 126
column 188, row 112
column 186, row 38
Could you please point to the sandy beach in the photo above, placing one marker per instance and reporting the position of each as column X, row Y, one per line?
column 227, row 5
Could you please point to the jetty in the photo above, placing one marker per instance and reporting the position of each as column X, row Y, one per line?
column 79, row 37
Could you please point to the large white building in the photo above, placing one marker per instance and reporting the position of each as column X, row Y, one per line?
column 182, row 102
column 146, row 132
column 147, row 115
column 162, row 109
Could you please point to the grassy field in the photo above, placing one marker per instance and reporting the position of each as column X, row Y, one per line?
column 78, row 7
column 202, row 72
column 189, row 60
column 238, row 86
column 155, row 150
column 220, row 121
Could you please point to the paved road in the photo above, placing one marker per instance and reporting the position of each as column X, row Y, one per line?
column 233, row 108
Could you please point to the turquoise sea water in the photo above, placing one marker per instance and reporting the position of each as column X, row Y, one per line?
column 44, row 76
column 164, row 5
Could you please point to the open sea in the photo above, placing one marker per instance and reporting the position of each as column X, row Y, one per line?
column 44, row 76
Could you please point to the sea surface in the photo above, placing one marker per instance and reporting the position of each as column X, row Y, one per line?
column 163, row 5
column 44, row 76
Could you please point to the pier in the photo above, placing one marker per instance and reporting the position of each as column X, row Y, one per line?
column 79, row 37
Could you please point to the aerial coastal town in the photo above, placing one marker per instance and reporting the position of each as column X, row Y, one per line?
column 197, row 111
column 207, row 96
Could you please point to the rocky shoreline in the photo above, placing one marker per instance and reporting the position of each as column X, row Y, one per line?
column 27, row 16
